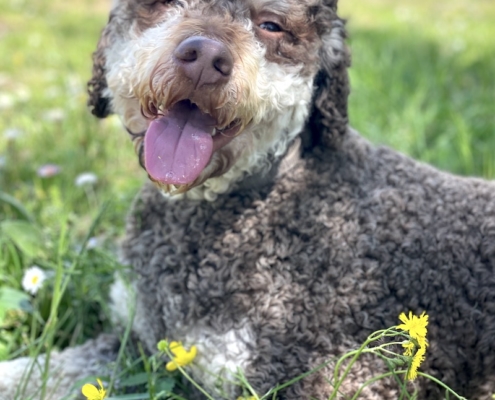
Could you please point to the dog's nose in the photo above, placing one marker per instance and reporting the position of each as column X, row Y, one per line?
column 204, row 61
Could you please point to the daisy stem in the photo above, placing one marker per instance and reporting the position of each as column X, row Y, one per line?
column 58, row 291
column 34, row 325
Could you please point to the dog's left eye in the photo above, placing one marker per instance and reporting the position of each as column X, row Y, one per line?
column 270, row 26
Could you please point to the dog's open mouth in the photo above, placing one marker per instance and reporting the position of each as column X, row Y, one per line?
column 179, row 145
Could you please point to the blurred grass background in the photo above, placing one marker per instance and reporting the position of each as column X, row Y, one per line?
column 422, row 79
column 422, row 82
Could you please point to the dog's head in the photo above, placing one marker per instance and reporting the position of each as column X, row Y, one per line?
column 212, row 89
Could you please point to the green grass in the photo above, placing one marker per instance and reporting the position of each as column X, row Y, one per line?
column 422, row 79
column 422, row 82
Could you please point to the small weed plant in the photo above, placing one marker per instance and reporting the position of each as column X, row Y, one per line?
column 403, row 366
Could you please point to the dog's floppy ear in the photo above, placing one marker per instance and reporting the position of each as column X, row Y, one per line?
column 99, row 102
column 328, row 118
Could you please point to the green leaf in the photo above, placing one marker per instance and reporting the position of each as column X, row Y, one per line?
column 135, row 380
column 26, row 236
column 165, row 384
column 11, row 299
column 135, row 396
column 16, row 205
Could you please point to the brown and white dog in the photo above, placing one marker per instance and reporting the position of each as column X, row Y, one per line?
column 274, row 237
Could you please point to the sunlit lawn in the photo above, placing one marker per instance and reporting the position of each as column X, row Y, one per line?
column 422, row 79
column 422, row 82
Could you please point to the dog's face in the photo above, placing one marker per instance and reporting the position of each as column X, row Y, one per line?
column 210, row 89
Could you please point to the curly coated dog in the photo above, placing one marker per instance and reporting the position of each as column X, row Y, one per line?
column 273, row 237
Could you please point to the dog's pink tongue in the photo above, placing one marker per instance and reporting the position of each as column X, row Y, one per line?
column 178, row 146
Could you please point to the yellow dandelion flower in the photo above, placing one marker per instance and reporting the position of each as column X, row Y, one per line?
column 182, row 357
column 415, row 326
column 92, row 392
column 416, row 362
column 422, row 342
column 409, row 348
column 246, row 398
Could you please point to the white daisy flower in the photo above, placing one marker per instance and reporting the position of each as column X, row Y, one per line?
column 33, row 279
column 12, row 134
column 86, row 178
column 55, row 115
column 6, row 101
column 23, row 93
column 93, row 243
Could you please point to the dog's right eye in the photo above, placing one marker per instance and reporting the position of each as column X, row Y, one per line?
column 270, row 26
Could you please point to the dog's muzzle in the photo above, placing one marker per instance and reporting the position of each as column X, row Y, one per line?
column 179, row 144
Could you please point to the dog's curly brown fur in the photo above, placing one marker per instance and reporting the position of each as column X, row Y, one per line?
column 296, row 262
column 302, row 262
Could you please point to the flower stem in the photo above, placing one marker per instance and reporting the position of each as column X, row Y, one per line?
column 374, row 379
column 187, row 376
column 440, row 383
column 355, row 354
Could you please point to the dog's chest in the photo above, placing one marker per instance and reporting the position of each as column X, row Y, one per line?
column 242, row 257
